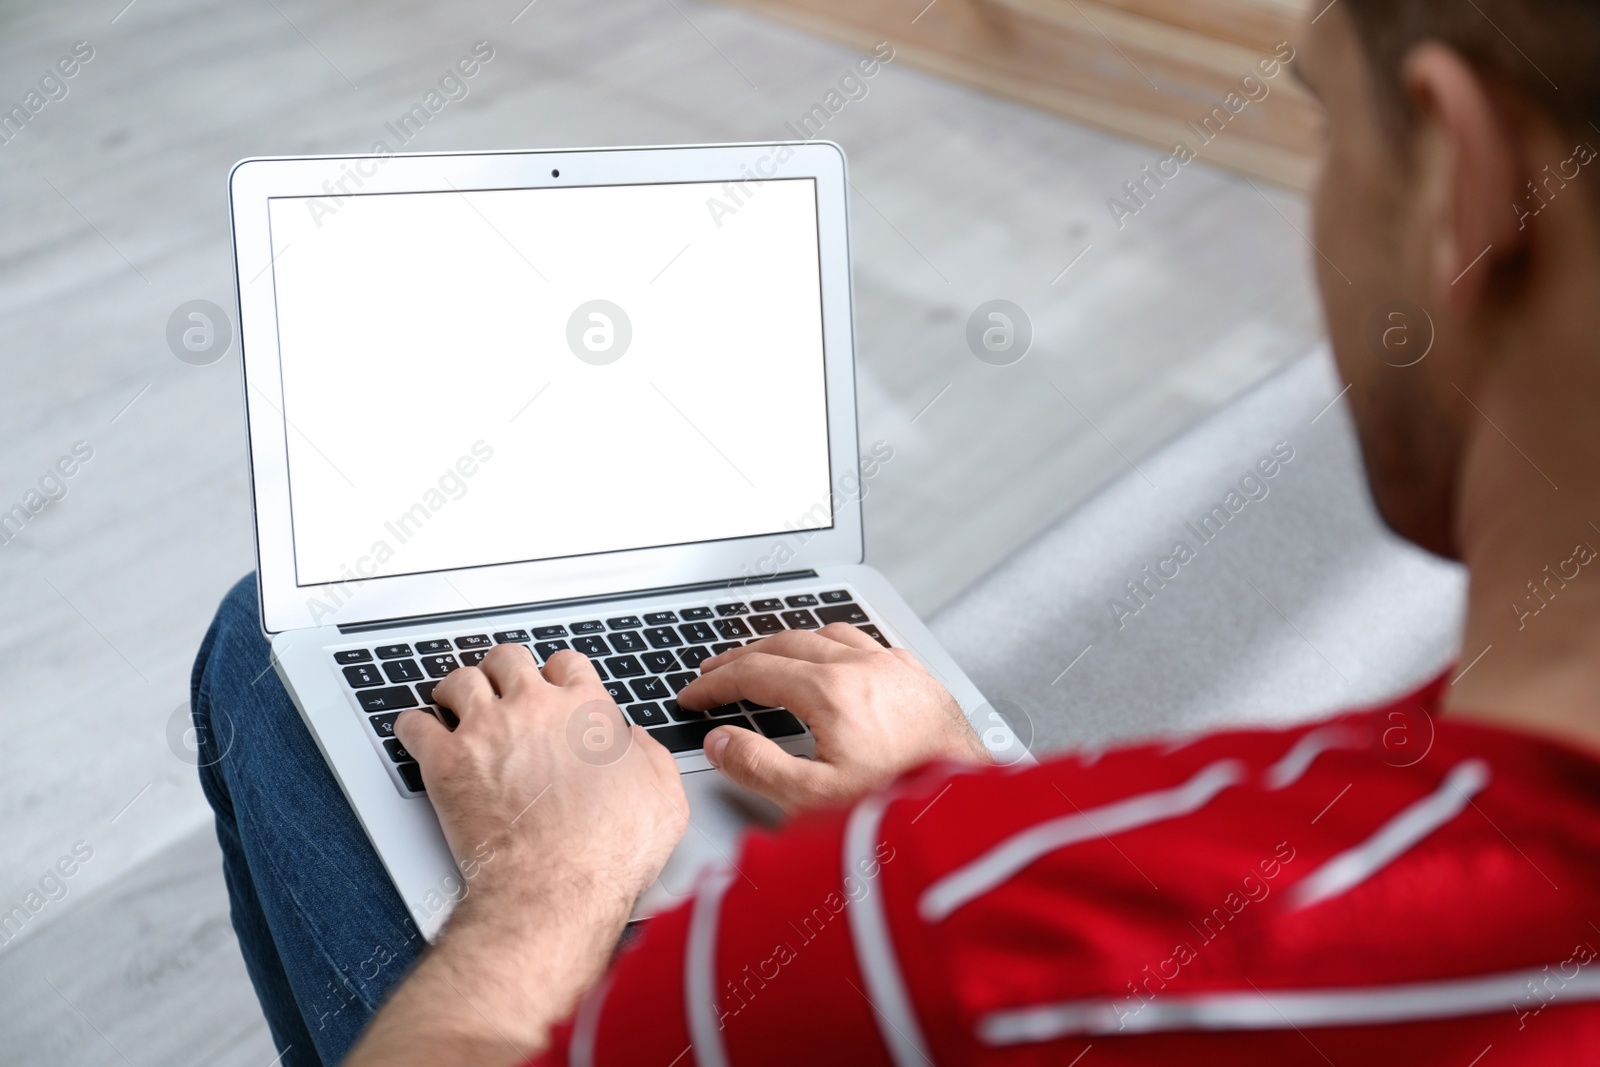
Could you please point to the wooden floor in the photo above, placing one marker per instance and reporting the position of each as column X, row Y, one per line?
column 115, row 213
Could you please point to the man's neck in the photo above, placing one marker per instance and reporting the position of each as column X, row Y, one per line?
column 1528, row 528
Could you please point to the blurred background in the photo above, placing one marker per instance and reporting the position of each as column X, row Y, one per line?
column 988, row 155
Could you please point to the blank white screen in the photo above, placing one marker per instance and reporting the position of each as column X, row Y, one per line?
column 417, row 328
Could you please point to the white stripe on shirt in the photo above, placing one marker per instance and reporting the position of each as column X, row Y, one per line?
column 1299, row 758
column 1280, row 1009
column 580, row 1053
column 1016, row 852
column 869, row 932
column 700, row 971
column 1355, row 865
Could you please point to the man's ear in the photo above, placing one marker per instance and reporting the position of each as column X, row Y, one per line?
column 1467, row 166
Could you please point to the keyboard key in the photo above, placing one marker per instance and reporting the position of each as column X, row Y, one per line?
column 766, row 624
column 698, row 632
column 474, row 641
column 593, row 626
column 724, row 710
column 662, row 637
column 627, row 641
column 693, row 656
column 411, row 774
column 751, row 705
column 771, row 604
column 801, row 620
column 803, row 600
column 439, row 666
column 546, row 649
column 446, row 716
column 426, row 647
column 393, row 698
column 619, row 692
column 685, row 738
column 681, row 714
column 624, row 622
column 425, row 691
column 397, row 751
column 874, row 633
column 474, row 656
column 384, row 724
column 352, row 655
column 681, row 679
column 362, row 674
column 650, row 689
column 660, row 618
column 778, row 723
column 695, row 613
column 731, row 628
column 599, row 668
column 393, row 651
column 505, row 637
column 591, row 646
column 726, row 610
column 403, row 670
column 548, row 633
column 625, row 666
column 724, row 646
column 842, row 613
column 647, row 714
column 836, row 596
column 688, row 737
column 659, row 662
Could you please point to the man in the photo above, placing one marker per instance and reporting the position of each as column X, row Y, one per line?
column 1272, row 896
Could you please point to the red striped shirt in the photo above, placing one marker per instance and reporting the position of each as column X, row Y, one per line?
column 1387, row 886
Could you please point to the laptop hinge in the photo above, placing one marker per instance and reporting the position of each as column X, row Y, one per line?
column 571, row 602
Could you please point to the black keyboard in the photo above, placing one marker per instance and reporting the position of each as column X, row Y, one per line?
column 643, row 661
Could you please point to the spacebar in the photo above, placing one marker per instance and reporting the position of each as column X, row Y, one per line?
column 691, row 735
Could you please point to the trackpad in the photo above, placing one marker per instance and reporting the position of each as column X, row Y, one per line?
column 719, row 813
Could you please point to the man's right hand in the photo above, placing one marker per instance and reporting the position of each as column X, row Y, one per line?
column 875, row 713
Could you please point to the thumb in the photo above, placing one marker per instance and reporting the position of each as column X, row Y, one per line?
column 761, row 766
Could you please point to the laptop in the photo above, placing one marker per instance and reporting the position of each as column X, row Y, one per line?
column 597, row 399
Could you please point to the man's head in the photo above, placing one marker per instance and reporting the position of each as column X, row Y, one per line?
column 1457, row 225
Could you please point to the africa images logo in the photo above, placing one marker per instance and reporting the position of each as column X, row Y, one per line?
column 599, row 332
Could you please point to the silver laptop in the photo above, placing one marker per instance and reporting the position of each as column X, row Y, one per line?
column 595, row 399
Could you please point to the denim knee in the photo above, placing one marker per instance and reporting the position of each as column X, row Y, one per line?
column 235, row 639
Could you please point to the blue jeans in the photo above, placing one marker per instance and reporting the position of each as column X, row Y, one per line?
column 323, row 931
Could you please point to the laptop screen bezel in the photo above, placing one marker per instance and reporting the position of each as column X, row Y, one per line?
column 288, row 606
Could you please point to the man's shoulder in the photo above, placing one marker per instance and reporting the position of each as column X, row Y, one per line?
column 1388, row 849
column 1406, row 742
column 1391, row 811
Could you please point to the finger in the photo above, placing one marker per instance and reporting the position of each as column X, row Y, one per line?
column 846, row 634
column 856, row 637
column 510, row 667
column 905, row 655
column 568, row 667
column 776, row 681
column 462, row 688
column 674, row 811
column 661, row 761
column 758, row 764
column 420, row 733
column 795, row 644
